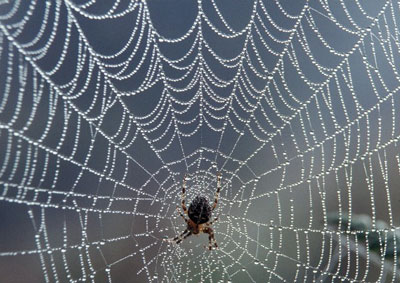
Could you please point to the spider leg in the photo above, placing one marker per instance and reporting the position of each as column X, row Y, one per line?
column 180, row 213
column 183, row 195
column 211, row 238
column 184, row 237
column 178, row 239
column 218, row 190
column 211, row 222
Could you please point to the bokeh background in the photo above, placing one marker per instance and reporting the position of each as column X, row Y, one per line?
column 105, row 105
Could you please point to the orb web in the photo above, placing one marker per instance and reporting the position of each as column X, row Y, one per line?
column 105, row 106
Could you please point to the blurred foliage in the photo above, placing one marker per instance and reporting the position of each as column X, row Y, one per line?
column 381, row 238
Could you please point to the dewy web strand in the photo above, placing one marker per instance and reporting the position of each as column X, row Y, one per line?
column 105, row 106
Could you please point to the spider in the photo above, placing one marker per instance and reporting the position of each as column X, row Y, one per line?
column 199, row 215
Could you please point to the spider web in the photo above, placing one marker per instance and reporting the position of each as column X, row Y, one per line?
column 105, row 106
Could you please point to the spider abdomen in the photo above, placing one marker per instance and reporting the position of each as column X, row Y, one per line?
column 199, row 210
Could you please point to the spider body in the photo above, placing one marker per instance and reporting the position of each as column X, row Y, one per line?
column 199, row 210
column 199, row 213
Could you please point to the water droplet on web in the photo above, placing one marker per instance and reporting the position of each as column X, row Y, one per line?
column 259, row 109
